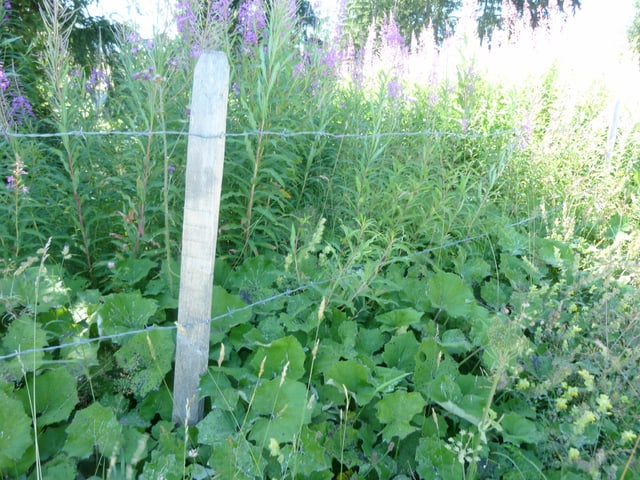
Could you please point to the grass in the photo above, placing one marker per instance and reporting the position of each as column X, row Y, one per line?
column 459, row 260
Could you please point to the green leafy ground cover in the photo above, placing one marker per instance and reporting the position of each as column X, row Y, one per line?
column 437, row 284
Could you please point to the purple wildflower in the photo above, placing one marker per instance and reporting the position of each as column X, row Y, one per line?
column 331, row 59
column 21, row 109
column 299, row 68
column 185, row 18
column 251, row 21
column 171, row 169
column 196, row 50
column 391, row 33
column 98, row 80
column 220, row 12
column 7, row 8
column 394, row 89
column 4, row 80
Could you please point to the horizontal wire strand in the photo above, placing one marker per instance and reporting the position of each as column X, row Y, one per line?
column 264, row 301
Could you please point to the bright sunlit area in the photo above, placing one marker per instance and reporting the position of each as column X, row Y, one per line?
column 372, row 249
column 589, row 46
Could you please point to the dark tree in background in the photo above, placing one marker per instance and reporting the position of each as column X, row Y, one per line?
column 413, row 15
column 634, row 31
column 91, row 38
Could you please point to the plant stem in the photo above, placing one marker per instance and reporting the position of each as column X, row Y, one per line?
column 252, row 190
column 473, row 467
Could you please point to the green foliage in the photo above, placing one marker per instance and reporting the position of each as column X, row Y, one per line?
column 634, row 30
column 93, row 426
column 16, row 429
column 416, row 288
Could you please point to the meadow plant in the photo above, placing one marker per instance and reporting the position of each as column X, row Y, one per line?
column 422, row 273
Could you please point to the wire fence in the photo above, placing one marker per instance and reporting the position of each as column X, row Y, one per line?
column 264, row 301
column 277, row 133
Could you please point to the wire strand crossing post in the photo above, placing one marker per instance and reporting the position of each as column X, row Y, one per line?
column 205, row 158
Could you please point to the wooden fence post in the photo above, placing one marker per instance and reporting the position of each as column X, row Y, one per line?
column 205, row 158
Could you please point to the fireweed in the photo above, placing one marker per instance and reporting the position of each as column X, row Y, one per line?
column 455, row 326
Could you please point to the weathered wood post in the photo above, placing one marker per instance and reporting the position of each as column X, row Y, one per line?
column 205, row 158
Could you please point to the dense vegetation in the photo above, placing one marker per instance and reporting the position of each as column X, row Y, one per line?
column 421, row 273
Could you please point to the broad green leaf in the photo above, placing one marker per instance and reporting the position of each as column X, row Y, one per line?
column 60, row 467
column 436, row 462
column 396, row 410
column 51, row 439
column 517, row 430
column 222, row 321
column 15, row 429
column 395, row 319
column 462, row 395
column 369, row 341
column 454, row 341
column 146, row 359
column 399, row 406
column 348, row 331
column 279, row 353
column 56, row 396
column 22, row 335
column 400, row 351
column 163, row 465
column 397, row 430
column 311, row 459
column 131, row 270
column 450, row 293
column 495, row 294
column 216, row 428
column 527, row 465
column 354, row 376
column 217, row 386
column 516, row 271
column 123, row 312
column 475, row 270
column 83, row 355
column 158, row 402
column 431, row 360
column 555, row 253
column 512, row 242
column 21, row 289
column 94, row 426
column 235, row 460
column 284, row 409
column 444, row 389
column 480, row 324
column 387, row 378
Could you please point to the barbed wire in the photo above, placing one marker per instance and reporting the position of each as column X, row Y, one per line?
column 264, row 301
column 279, row 133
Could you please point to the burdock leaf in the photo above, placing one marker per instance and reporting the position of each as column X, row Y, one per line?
column 448, row 292
column 15, row 426
column 95, row 425
column 123, row 312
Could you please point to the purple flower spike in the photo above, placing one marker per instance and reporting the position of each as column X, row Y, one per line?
column 4, row 80
column 251, row 21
